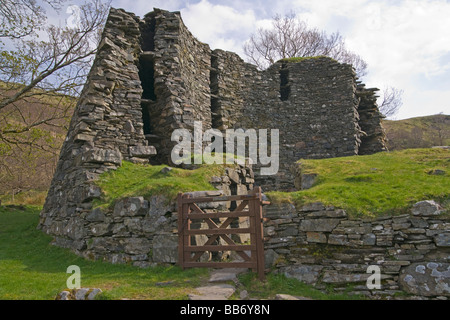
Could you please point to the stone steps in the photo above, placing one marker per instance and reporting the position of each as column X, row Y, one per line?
column 218, row 287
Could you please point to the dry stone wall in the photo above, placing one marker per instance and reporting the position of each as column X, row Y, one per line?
column 179, row 70
column 373, row 138
column 152, row 76
column 315, row 103
column 106, row 128
column 232, row 81
column 142, row 231
column 320, row 245
column 317, row 118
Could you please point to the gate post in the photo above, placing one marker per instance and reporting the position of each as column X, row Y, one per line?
column 180, row 231
column 259, row 234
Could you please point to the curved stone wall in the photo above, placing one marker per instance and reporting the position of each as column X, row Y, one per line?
column 152, row 76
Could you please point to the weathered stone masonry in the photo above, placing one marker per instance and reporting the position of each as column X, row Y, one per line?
column 140, row 231
column 106, row 128
column 150, row 77
column 320, row 245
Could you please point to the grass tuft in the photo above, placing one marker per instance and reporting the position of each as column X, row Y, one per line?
column 147, row 180
column 280, row 284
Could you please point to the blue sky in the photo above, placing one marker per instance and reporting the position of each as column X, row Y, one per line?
column 405, row 42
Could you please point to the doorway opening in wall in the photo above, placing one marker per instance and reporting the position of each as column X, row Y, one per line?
column 285, row 88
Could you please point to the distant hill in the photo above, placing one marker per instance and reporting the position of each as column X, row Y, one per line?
column 420, row 132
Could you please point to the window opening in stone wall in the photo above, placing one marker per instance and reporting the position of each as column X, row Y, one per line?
column 147, row 76
column 147, row 69
column 148, row 29
column 214, row 90
column 146, row 119
column 285, row 88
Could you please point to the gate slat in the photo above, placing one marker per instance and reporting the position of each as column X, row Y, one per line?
column 217, row 231
column 259, row 233
column 220, row 264
column 237, row 247
column 217, row 215
column 219, row 199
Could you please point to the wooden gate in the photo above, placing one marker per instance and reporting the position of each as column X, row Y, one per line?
column 251, row 253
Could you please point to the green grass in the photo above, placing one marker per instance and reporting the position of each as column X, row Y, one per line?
column 33, row 269
column 146, row 180
column 280, row 284
column 29, row 198
column 379, row 184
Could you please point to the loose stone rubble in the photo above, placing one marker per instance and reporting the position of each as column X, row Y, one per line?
column 79, row 294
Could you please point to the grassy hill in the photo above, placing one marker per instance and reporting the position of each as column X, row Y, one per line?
column 131, row 180
column 33, row 269
column 386, row 183
column 420, row 132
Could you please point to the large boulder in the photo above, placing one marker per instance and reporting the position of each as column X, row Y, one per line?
column 426, row 208
column 165, row 248
column 426, row 279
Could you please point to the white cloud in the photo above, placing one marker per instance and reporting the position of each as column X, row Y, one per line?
column 401, row 40
column 427, row 102
column 408, row 41
column 220, row 26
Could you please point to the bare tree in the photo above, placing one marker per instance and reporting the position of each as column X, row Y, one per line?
column 21, row 18
column 291, row 37
column 391, row 101
column 46, row 72
column 43, row 68
column 440, row 129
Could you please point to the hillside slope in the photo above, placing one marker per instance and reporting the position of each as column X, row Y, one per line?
column 420, row 132
column 28, row 159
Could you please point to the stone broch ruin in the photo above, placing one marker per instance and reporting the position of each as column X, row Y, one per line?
column 152, row 76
